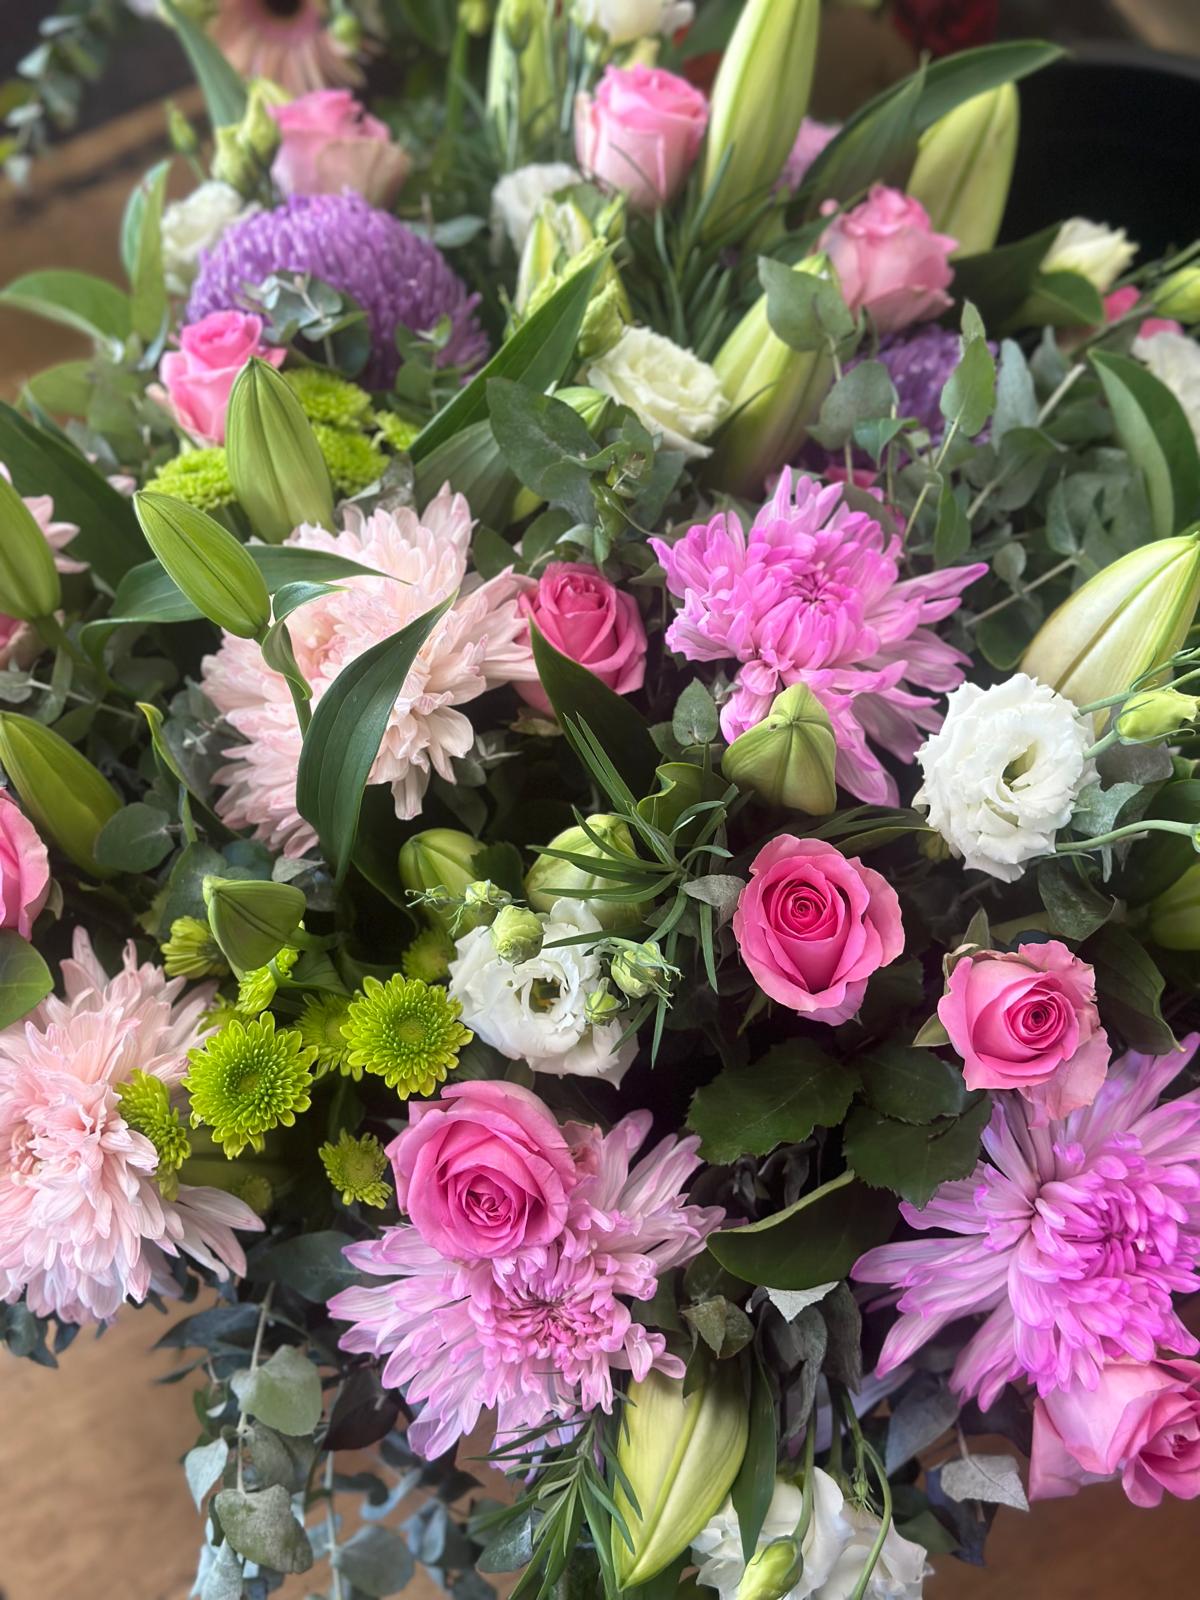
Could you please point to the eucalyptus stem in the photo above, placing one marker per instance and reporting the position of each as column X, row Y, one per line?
column 1008, row 600
column 336, row 1591
column 255, row 1352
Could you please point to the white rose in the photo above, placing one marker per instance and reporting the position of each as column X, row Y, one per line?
column 898, row 1575
column 1097, row 253
column 518, row 195
column 534, row 1010
column 676, row 396
column 718, row 1547
column 1174, row 359
column 1003, row 774
column 626, row 20
column 193, row 225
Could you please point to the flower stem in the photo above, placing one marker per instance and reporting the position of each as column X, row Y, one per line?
column 885, row 1522
column 255, row 1352
column 1132, row 830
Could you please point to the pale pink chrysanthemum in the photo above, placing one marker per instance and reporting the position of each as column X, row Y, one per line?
column 1074, row 1237
column 479, row 644
column 812, row 594
column 535, row 1336
column 18, row 641
column 287, row 41
column 83, row 1224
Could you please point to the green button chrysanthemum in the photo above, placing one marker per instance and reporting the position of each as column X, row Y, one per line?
column 320, row 1026
column 145, row 1103
column 355, row 1168
column 406, row 1031
column 395, row 431
column 201, row 477
column 352, row 459
column 248, row 1079
column 428, row 957
column 191, row 951
column 324, row 397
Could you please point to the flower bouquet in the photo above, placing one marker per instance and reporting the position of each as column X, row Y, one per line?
column 598, row 850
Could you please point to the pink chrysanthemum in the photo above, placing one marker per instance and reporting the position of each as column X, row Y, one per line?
column 813, row 594
column 1073, row 1239
column 536, row 1335
column 83, row 1224
column 287, row 41
column 477, row 645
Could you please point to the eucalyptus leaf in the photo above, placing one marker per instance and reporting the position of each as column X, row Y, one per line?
column 695, row 721
column 804, row 309
column 25, row 978
column 260, row 1526
column 284, row 1392
column 136, row 839
column 864, row 394
column 376, row 1562
column 313, row 1264
column 203, row 1467
column 996, row 1480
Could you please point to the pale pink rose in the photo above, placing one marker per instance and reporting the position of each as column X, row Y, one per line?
column 888, row 260
column 640, row 132
column 1122, row 301
column 200, row 374
column 331, row 143
column 590, row 620
column 484, row 1171
column 1142, row 1422
column 24, row 869
column 813, row 926
column 810, row 141
column 1028, row 1022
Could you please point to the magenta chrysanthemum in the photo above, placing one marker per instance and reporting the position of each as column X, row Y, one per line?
column 813, row 594
column 398, row 278
column 535, row 1335
column 1072, row 1239
column 83, row 1223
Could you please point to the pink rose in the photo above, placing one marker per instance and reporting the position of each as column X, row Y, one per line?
column 1140, row 1421
column 484, row 1171
column 640, row 132
column 810, row 141
column 1122, row 301
column 330, row 143
column 592, row 621
column 1028, row 1022
column 24, row 869
column 200, row 374
column 813, row 926
column 888, row 259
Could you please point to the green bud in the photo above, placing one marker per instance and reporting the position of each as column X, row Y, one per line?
column 788, row 758
column 773, row 1572
column 520, row 96
column 275, row 462
column 259, row 130
column 346, row 30
column 1178, row 296
column 602, row 1005
column 184, row 138
column 639, row 970
column 679, row 1455
column 482, row 899
column 215, row 571
column 252, row 919
column 475, row 16
column 439, row 858
column 589, row 404
column 233, row 162
column 1157, row 714
column 1174, row 915
column 517, row 934
column 559, row 232
column 68, row 800
column 29, row 586
column 964, row 167
column 551, row 879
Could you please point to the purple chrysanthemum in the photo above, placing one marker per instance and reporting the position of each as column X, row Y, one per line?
column 920, row 364
column 397, row 277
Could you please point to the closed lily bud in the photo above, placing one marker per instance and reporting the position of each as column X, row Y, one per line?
column 788, row 758
column 275, row 463
column 29, row 586
column 520, row 94
column 773, row 1572
column 640, row 969
column 66, row 797
column 439, row 858
column 251, row 918
column 1178, row 296
column 550, row 878
column 516, row 934
column 215, row 571
column 680, row 1455
column 1157, row 714
column 964, row 167
column 1129, row 619
column 559, row 231
column 1174, row 915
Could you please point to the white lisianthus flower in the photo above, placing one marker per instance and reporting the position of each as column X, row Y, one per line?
column 518, row 196
column 626, row 20
column 194, row 224
column 899, row 1573
column 1096, row 252
column 1174, row 359
column 677, row 396
column 535, row 1010
column 718, row 1547
column 1003, row 774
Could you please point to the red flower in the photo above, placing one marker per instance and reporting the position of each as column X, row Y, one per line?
column 944, row 26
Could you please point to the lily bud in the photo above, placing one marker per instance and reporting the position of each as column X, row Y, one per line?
column 66, row 797
column 439, row 858
column 1179, row 295
column 788, row 758
column 1174, row 920
column 520, row 95
column 964, row 167
column 215, row 571
column 275, row 463
column 1157, row 715
column 251, row 918
column 1129, row 619
column 639, row 970
column 773, row 1572
column 560, row 230
column 680, row 1455
column 29, row 586
column 517, row 934
column 551, row 879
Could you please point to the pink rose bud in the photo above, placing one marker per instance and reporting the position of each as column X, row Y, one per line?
column 813, row 926
column 641, row 132
column 1122, row 301
column 484, row 1171
column 590, row 620
column 24, row 869
column 810, row 141
column 200, row 374
column 330, row 143
column 1028, row 1022
column 888, row 259
column 1142, row 1422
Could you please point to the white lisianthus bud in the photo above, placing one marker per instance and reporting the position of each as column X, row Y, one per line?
column 518, row 196
column 674, row 394
column 626, row 20
column 194, row 224
column 1157, row 714
column 1174, row 359
column 517, row 933
column 718, row 1547
column 1096, row 252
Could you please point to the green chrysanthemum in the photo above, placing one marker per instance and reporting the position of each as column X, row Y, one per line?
column 248, row 1079
column 192, row 952
column 256, row 990
column 428, row 957
column 320, row 1026
column 352, row 459
column 395, row 431
column 355, row 1168
column 258, row 1192
column 145, row 1103
column 324, row 397
column 405, row 1031
column 201, row 477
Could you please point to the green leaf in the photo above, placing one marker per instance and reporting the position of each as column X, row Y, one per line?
column 805, row 310
column 1061, row 300
column 778, row 1099
column 755, row 1483
column 64, row 390
column 695, row 721
column 724, row 1327
column 259, row 1525
column 285, row 1392
column 222, row 87
column 546, row 444
column 817, row 1240
column 863, row 395
column 203, row 1467
column 577, row 695
column 1076, row 907
column 911, row 1160
column 911, row 1085
column 345, row 734
column 294, row 595
column 136, row 839
column 1016, row 398
column 1129, row 987
column 952, row 531
column 376, row 1561
column 998, row 281
column 474, row 463
column 144, row 218
column 969, row 393
column 313, row 1264
column 1153, row 427
column 223, row 1580
column 25, row 978
column 78, row 300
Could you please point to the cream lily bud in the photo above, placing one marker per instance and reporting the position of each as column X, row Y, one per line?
column 275, row 463
column 1174, row 915
column 1129, row 619
column 1178, row 296
column 788, row 759
column 520, row 94
column 439, row 858
column 773, row 1572
column 516, row 934
column 252, row 918
column 1156, row 714
column 215, row 571
column 559, row 231
column 551, row 879
column 29, row 586
column 66, row 797
column 640, row 969
column 680, row 1455
column 964, row 167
